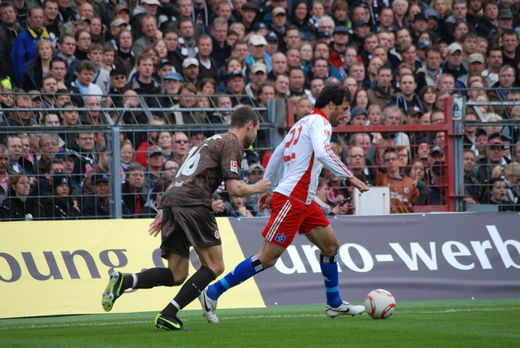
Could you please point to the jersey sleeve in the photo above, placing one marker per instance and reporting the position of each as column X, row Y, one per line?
column 231, row 159
column 320, row 137
column 272, row 172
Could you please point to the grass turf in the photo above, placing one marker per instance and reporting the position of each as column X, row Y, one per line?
column 462, row 323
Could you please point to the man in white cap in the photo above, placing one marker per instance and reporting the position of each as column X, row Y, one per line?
column 279, row 23
column 476, row 64
column 453, row 64
column 116, row 27
column 257, row 76
column 190, row 70
column 256, row 46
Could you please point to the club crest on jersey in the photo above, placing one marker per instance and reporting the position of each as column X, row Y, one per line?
column 233, row 166
column 327, row 133
column 217, row 234
column 280, row 238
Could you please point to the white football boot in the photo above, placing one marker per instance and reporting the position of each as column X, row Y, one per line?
column 344, row 309
column 209, row 307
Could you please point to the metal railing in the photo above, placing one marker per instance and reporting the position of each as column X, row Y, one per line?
column 113, row 124
column 495, row 172
column 119, row 122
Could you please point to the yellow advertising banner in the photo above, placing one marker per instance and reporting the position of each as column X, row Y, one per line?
column 61, row 267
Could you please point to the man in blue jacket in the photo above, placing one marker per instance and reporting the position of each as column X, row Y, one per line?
column 24, row 47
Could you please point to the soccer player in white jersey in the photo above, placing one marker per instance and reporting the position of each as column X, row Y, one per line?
column 303, row 153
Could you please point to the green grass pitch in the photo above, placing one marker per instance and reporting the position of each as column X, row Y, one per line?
column 460, row 323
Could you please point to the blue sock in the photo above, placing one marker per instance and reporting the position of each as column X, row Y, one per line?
column 243, row 271
column 329, row 269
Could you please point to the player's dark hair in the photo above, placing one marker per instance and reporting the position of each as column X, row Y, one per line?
column 332, row 93
column 242, row 115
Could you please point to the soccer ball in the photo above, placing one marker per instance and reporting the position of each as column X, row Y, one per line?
column 380, row 304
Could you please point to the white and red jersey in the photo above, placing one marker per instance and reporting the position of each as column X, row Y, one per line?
column 303, row 152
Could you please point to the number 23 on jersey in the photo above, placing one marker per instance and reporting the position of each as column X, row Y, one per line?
column 289, row 153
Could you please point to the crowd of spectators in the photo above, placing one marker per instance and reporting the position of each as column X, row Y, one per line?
column 399, row 59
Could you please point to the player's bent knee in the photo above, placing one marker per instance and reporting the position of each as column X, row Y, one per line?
column 330, row 249
column 179, row 281
column 268, row 261
column 218, row 269
column 179, row 275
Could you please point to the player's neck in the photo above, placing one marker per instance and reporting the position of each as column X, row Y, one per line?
column 241, row 135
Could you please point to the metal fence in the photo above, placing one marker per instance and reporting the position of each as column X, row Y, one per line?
column 90, row 152
column 488, row 168
column 95, row 154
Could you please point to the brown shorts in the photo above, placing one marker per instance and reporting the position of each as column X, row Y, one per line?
column 183, row 227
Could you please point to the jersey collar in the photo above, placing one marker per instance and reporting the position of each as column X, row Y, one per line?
column 319, row 112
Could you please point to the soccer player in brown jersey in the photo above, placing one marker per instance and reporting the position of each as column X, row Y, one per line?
column 186, row 218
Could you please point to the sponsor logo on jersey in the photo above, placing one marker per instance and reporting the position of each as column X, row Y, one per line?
column 233, row 166
column 280, row 238
column 217, row 234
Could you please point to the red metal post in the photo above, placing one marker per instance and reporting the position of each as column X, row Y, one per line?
column 450, row 154
column 289, row 107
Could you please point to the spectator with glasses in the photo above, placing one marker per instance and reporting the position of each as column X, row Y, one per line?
column 170, row 169
column 154, row 170
column 356, row 163
column 49, row 146
column 485, row 166
column 180, row 146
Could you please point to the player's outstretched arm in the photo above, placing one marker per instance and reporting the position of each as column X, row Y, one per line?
column 264, row 202
column 239, row 188
column 361, row 186
column 156, row 225
column 320, row 138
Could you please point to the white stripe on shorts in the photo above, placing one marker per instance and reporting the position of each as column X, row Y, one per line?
column 276, row 223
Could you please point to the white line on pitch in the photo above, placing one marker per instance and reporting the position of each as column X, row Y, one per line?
column 110, row 323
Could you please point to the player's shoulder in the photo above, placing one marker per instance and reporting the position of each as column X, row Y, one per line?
column 317, row 120
column 226, row 144
column 229, row 141
column 221, row 140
